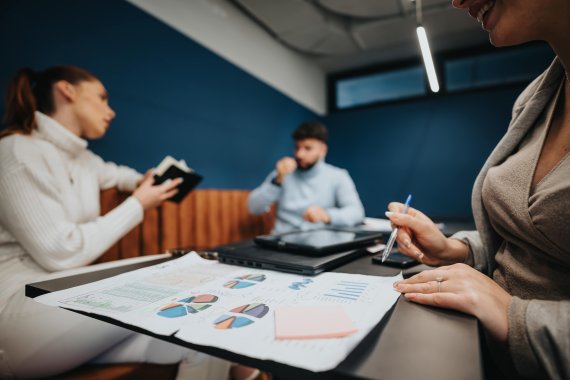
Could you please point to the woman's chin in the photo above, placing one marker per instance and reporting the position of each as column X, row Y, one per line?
column 501, row 39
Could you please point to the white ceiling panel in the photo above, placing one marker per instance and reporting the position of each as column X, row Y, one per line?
column 363, row 8
column 284, row 16
column 345, row 34
column 373, row 35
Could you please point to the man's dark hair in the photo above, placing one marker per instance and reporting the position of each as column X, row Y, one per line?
column 311, row 130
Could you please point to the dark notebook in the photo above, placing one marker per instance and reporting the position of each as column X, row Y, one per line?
column 170, row 168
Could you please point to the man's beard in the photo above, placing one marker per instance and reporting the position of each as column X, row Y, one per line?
column 308, row 167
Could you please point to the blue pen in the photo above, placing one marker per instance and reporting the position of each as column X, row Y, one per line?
column 392, row 239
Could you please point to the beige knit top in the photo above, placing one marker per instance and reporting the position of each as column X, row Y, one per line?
column 523, row 234
column 534, row 259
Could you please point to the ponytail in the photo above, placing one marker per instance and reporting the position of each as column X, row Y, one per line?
column 20, row 104
column 32, row 91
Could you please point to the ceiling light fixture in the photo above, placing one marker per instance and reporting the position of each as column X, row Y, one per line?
column 424, row 46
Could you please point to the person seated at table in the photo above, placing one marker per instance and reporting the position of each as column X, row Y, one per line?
column 513, row 273
column 309, row 192
column 50, row 222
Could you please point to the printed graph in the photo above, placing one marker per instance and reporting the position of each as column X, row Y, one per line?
column 257, row 310
column 348, row 290
column 234, row 284
column 186, row 306
column 228, row 321
column 239, row 283
column 298, row 285
column 252, row 277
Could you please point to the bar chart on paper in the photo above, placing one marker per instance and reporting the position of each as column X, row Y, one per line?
column 347, row 290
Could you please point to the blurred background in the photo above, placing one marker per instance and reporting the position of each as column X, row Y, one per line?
column 222, row 84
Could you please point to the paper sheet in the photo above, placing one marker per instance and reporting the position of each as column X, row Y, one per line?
column 208, row 303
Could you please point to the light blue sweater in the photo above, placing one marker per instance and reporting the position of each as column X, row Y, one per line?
column 323, row 185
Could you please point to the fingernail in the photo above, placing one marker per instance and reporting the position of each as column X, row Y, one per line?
column 395, row 284
column 168, row 181
column 389, row 213
column 407, row 243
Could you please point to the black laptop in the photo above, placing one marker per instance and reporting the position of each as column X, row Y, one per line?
column 320, row 242
column 249, row 254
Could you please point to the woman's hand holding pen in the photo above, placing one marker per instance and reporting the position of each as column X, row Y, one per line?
column 151, row 196
column 460, row 287
column 456, row 286
column 419, row 238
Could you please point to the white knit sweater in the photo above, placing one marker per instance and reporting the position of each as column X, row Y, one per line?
column 49, row 205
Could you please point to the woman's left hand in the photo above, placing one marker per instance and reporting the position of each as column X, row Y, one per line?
column 462, row 288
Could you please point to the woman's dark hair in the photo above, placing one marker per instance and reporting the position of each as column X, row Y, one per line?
column 32, row 90
column 311, row 130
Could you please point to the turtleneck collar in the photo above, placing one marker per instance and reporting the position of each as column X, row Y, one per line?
column 312, row 171
column 51, row 130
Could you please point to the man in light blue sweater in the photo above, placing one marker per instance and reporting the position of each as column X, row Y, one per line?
column 309, row 192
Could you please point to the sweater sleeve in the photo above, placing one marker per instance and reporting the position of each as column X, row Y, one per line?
column 538, row 338
column 478, row 254
column 349, row 210
column 260, row 199
column 110, row 174
column 34, row 215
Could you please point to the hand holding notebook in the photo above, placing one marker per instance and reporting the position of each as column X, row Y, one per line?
column 170, row 168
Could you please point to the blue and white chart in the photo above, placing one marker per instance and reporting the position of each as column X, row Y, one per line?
column 208, row 303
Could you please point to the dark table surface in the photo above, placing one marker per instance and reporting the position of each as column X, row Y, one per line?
column 411, row 342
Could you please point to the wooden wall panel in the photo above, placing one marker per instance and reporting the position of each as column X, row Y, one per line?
column 214, row 219
column 150, row 231
column 187, row 215
column 130, row 245
column 202, row 206
column 234, row 215
column 169, row 226
column 226, row 222
column 203, row 220
column 109, row 200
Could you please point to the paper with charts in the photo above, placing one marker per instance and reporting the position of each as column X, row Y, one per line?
column 208, row 303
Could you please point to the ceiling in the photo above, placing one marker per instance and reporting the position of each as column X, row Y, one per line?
column 343, row 35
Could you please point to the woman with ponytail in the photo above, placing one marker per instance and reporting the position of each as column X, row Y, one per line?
column 50, row 222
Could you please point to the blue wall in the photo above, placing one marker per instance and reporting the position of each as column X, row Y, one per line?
column 432, row 148
column 171, row 95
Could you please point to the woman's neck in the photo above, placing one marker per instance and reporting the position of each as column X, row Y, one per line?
column 67, row 120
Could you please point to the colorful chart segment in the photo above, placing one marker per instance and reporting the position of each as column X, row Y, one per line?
column 227, row 321
column 252, row 277
column 186, row 306
column 239, row 283
column 257, row 310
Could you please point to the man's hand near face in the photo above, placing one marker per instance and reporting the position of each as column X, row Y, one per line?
column 284, row 166
column 315, row 214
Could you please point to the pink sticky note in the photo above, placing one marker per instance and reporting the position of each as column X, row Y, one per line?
column 312, row 322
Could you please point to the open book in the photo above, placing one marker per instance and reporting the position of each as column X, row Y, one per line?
column 170, row 168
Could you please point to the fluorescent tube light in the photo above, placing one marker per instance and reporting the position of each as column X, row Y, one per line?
column 428, row 61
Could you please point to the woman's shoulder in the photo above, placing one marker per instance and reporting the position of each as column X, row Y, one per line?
column 549, row 80
column 20, row 149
